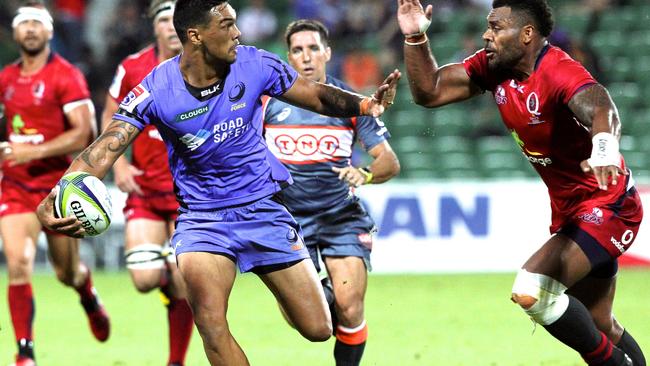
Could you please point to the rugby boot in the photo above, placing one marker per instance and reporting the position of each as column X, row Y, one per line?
column 23, row 361
column 98, row 318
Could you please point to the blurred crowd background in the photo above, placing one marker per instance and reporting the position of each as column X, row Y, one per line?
column 611, row 38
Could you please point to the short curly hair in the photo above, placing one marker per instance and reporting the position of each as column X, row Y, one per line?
column 536, row 11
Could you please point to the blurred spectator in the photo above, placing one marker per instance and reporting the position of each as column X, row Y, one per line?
column 329, row 12
column 360, row 69
column 471, row 42
column 257, row 22
column 69, row 33
column 126, row 33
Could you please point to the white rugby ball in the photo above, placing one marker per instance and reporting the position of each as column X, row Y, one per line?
column 85, row 197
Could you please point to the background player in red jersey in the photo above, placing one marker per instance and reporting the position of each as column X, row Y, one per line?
column 49, row 116
column 151, row 207
column 568, row 128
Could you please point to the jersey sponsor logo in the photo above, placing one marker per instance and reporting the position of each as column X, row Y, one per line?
column 22, row 135
column 136, row 96
column 533, row 105
column 9, row 93
column 500, row 95
column 236, row 92
column 194, row 141
column 593, row 217
column 235, row 107
column 532, row 156
column 514, row 85
column 284, row 114
column 302, row 145
column 225, row 130
column 186, row 116
column 382, row 127
column 626, row 239
column 38, row 91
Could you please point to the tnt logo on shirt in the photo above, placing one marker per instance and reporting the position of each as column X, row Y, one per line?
column 136, row 96
column 309, row 144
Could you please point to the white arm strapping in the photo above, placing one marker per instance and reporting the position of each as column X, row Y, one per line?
column 604, row 151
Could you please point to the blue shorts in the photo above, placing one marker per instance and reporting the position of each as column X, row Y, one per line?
column 259, row 234
column 341, row 231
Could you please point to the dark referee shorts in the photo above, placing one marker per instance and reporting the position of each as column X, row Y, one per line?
column 344, row 230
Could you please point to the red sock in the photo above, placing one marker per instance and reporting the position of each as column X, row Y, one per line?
column 21, row 307
column 181, row 325
column 86, row 289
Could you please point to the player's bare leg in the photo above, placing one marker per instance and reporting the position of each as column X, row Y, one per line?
column 19, row 235
column 540, row 290
column 350, row 280
column 209, row 279
column 150, row 269
column 597, row 294
column 64, row 255
column 300, row 295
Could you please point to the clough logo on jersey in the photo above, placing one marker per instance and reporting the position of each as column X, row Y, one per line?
column 185, row 116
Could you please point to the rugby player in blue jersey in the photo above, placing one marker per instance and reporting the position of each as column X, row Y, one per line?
column 206, row 105
column 317, row 150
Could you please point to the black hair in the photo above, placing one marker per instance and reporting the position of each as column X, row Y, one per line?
column 34, row 3
column 190, row 13
column 537, row 11
column 307, row 25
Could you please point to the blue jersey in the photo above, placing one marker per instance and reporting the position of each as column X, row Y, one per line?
column 217, row 154
column 310, row 144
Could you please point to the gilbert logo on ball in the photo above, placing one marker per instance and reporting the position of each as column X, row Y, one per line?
column 85, row 197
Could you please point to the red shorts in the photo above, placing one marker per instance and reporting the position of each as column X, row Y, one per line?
column 612, row 227
column 159, row 206
column 16, row 198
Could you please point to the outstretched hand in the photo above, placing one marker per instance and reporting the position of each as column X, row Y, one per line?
column 69, row 226
column 412, row 18
column 384, row 95
column 603, row 174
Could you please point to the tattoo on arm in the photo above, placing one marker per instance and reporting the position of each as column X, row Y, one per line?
column 588, row 102
column 113, row 141
column 338, row 102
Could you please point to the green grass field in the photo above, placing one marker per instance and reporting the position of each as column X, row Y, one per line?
column 413, row 320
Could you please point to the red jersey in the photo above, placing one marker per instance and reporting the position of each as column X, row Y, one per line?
column 34, row 110
column 149, row 153
column 537, row 114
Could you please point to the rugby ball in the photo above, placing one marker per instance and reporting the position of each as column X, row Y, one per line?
column 84, row 196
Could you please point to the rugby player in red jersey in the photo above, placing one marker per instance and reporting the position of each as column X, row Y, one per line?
column 49, row 116
column 151, row 206
column 568, row 128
